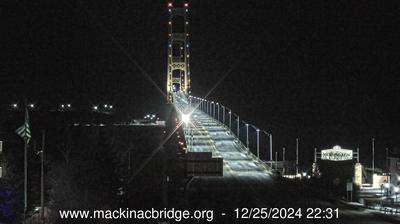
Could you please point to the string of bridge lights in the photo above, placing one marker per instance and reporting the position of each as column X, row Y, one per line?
column 64, row 107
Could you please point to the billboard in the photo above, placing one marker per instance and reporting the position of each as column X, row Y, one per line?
column 337, row 154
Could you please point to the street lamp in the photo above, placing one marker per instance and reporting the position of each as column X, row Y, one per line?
column 258, row 143
column 212, row 109
column 238, row 127
column 230, row 119
column 223, row 114
column 218, row 111
column 247, row 135
column 396, row 192
column 185, row 118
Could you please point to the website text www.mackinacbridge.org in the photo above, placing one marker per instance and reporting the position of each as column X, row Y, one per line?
column 130, row 214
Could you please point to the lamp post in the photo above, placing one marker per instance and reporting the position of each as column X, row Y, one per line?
column 223, row 114
column 218, row 111
column 382, row 187
column 258, row 143
column 238, row 127
column 247, row 135
column 387, row 160
column 297, row 156
column 230, row 119
column 270, row 145
column 373, row 156
column 212, row 109
column 42, row 178
column 283, row 160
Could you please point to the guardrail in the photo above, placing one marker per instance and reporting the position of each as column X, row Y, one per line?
column 253, row 138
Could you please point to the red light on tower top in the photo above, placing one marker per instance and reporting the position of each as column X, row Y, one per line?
column 169, row 4
column 186, row 4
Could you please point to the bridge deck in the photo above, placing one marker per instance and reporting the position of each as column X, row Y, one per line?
column 205, row 134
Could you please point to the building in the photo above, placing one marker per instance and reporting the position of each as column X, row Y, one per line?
column 394, row 169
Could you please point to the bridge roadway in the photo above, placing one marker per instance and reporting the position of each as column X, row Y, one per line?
column 247, row 181
column 205, row 134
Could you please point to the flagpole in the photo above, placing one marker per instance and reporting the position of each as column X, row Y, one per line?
column 25, row 177
column 42, row 178
column 25, row 163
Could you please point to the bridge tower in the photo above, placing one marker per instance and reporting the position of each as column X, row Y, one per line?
column 178, row 70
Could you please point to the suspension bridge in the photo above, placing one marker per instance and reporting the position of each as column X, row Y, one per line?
column 213, row 127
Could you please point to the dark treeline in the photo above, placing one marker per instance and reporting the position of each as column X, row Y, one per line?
column 87, row 167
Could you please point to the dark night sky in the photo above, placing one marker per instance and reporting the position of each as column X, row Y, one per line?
column 325, row 71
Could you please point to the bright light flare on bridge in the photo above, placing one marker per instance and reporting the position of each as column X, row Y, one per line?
column 185, row 118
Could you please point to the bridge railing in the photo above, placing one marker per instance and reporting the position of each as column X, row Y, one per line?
column 257, row 141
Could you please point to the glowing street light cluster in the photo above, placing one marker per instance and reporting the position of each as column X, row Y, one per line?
column 105, row 108
column 61, row 107
column 170, row 4
column 150, row 116
column 185, row 118
column 15, row 106
column 65, row 106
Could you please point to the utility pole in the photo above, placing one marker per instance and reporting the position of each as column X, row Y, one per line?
column 230, row 119
column 373, row 156
column 218, row 112
column 247, row 135
column 297, row 156
column 223, row 114
column 270, row 146
column 26, row 166
column 258, row 142
column 283, row 160
column 42, row 178
column 387, row 160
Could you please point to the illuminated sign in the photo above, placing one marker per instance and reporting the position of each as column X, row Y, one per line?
column 337, row 154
